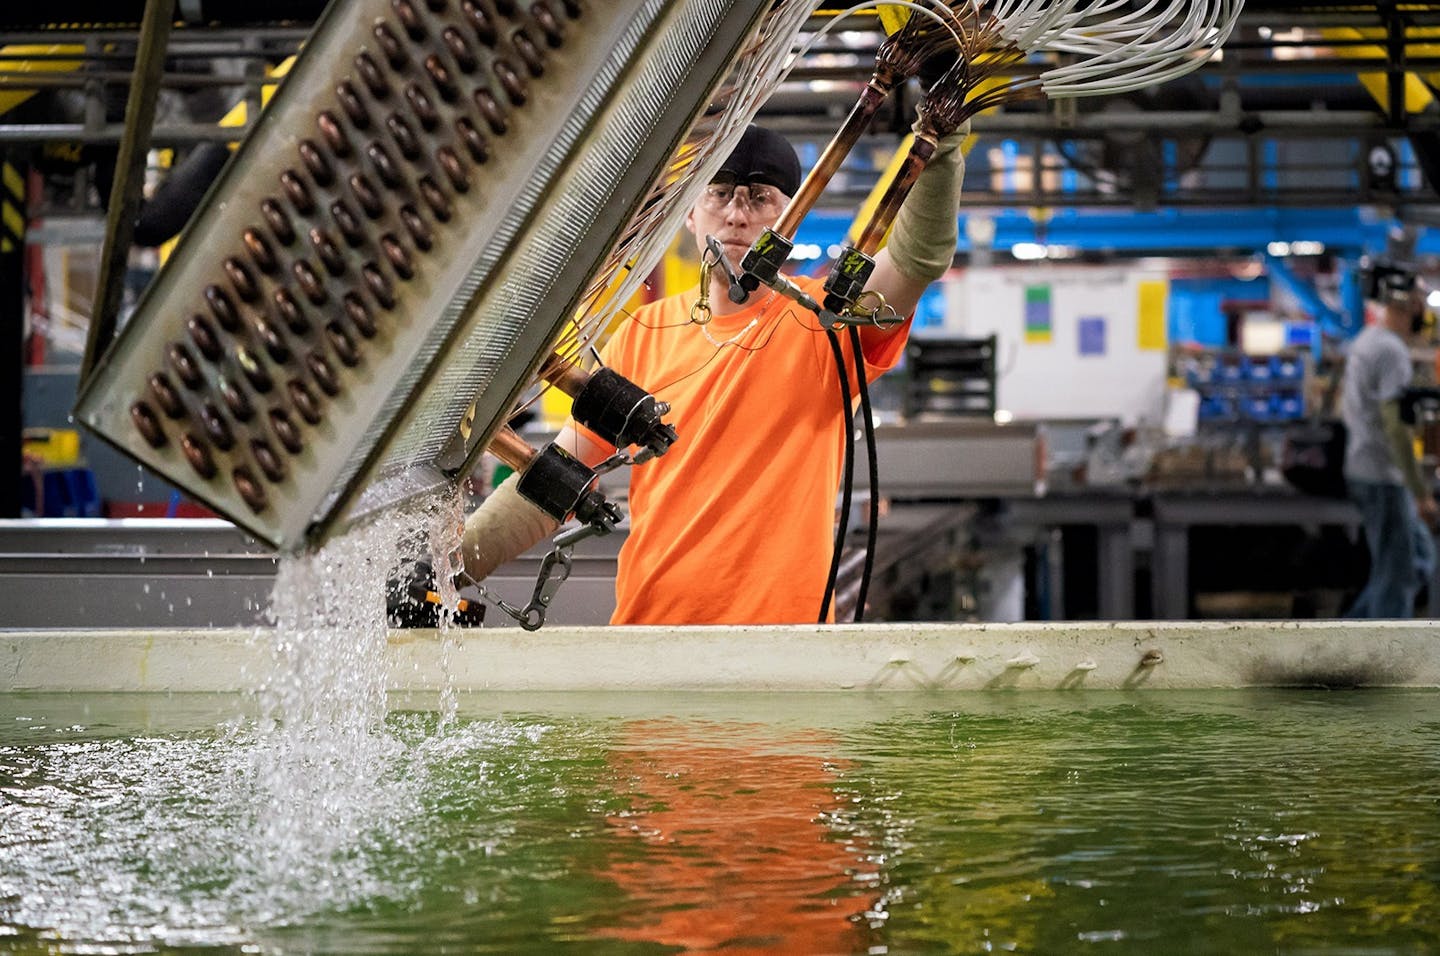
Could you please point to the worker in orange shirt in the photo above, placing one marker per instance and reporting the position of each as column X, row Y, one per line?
column 735, row 525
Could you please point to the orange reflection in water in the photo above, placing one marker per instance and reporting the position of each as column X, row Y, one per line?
column 736, row 851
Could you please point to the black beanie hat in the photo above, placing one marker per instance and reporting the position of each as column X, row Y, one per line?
column 763, row 156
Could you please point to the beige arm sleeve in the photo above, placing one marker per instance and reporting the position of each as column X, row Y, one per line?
column 1402, row 448
column 505, row 526
column 923, row 239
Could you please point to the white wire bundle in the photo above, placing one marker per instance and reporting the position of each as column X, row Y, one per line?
column 1120, row 49
column 754, row 76
column 1122, row 46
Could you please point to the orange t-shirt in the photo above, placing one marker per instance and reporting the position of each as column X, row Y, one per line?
column 735, row 524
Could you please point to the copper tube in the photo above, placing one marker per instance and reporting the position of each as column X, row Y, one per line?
column 398, row 255
column 510, row 81
column 513, row 450
column 435, row 198
column 460, row 50
column 351, row 103
column 825, row 167
column 409, row 18
column 148, row 424
column 297, row 191
column 491, row 111
column 278, row 221
column 316, row 162
column 323, row 373
column 260, row 251
column 304, row 401
column 549, row 23
column 403, row 136
column 480, row 22
column 419, row 231
column 255, row 373
column 198, row 454
column 331, row 132
column 291, row 312
column 454, row 170
column 343, row 344
column 310, row 282
column 359, row 315
column 347, row 222
column 391, row 46
column 286, row 431
column 384, row 164
column 222, row 308
column 440, row 76
column 564, row 375
column 250, row 490
column 328, row 251
column 473, row 139
column 380, row 287
column 270, row 337
column 884, row 216
column 165, row 396
column 216, row 427
column 202, row 333
column 271, row 464
column 240, row 279
column 235, row 400
column 365, row 193
column 184, row 365
column 530, row 54
column 371, row 75
column 422, row 106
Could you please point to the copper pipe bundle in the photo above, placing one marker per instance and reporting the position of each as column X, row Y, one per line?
column 898, row 58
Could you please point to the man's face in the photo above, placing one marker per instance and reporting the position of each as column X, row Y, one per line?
column 734, row 214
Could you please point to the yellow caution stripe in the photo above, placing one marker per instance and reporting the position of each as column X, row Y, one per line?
column 12, row 207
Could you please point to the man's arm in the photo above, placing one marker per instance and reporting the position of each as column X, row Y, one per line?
column 506, row 524
column 922, row 242
column 1402, row 450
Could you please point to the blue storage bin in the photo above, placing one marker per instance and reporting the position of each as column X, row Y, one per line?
column 1257, row 407
column 1287, row 368
column 1287, row 406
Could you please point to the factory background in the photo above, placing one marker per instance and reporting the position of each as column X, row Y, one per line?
column 1151, row 294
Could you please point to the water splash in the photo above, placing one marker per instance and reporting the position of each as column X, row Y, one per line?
column 323, row 778
column 292, row 811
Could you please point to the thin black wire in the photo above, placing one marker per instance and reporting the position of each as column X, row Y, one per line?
column 872, row 459
column 848, row 482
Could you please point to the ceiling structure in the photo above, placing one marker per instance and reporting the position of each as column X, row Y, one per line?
column 1306, row 106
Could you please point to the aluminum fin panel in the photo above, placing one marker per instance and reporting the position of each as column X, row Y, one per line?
column 438, row 191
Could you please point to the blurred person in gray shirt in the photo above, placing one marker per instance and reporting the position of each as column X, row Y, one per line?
column 1382, row 472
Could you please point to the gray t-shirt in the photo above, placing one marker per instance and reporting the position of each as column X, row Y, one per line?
column 1377, row 370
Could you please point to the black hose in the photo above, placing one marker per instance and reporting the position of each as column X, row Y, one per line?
column 847, row 484
column 179, row 195
column 166, row 212
column 873, row 463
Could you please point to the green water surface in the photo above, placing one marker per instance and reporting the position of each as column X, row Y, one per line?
column 1150, row 822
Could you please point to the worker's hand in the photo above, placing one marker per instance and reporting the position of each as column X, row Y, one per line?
column 1429, row 510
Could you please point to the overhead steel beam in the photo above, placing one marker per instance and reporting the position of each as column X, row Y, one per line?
column 129, row 178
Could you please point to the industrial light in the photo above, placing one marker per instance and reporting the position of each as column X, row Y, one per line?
column 1300, row 248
